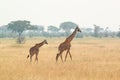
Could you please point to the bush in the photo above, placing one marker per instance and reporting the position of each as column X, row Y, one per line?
column 21, row 40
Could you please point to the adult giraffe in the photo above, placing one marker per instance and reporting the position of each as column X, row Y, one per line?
column 66, row 45
column 35, row 50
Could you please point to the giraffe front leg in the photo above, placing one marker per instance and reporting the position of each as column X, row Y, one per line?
column 66, row 55
column 30, row 58
column 36, row 58
column 70, row 55
column 61, row 57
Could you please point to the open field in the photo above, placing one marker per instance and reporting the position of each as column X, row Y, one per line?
column 93, row 59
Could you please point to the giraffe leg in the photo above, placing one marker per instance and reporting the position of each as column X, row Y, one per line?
column 36, row 58
column 59, row 54
column 57, row 57
column 61, row 57
column 66, row 55
column 70, row 55
column 30, row 58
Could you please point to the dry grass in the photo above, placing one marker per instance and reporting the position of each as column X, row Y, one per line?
column 93, row 59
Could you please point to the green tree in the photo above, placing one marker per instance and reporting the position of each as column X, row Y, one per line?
column 3, row 31
column 67, row 26
column 118, row 34
column 52, row 29
column 96, row 30
column 18, row 27
column 32, row 27
column 106, row 32
column 37, row 31
column 40, row 28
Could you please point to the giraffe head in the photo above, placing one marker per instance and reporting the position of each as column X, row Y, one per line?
column 45, row 42
column 78, row 29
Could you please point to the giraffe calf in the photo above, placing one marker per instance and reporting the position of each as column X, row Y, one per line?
column 35, row 50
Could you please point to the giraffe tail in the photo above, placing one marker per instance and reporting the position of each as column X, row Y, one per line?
column 28, row 56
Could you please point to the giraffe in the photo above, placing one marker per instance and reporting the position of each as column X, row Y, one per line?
column 66, row 45
column 35, row 50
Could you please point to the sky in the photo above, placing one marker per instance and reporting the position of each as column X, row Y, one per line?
column 85, row 13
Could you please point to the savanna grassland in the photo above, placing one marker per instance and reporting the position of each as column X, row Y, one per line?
column 93, row 59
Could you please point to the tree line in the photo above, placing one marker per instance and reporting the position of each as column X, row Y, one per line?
column 22, row 28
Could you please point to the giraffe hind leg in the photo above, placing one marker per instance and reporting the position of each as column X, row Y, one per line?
column 59, row 54
column 57, row 57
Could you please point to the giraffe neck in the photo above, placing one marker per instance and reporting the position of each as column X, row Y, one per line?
column 39, row 45
column 70, row 38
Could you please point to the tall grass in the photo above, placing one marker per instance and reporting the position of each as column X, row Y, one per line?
column 93, row 59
